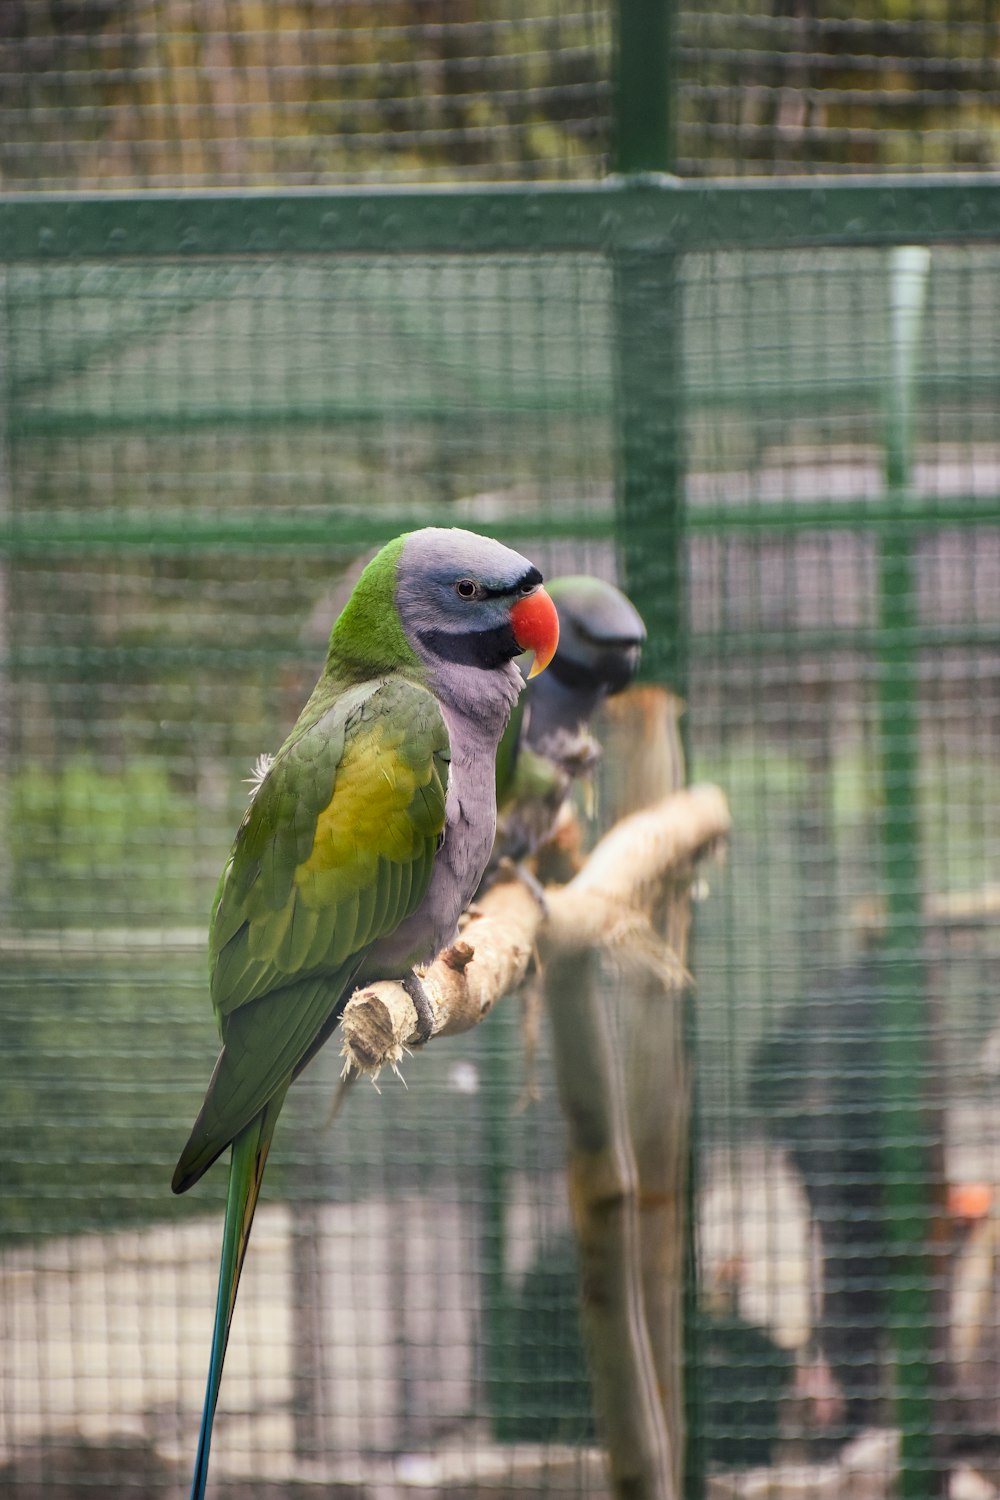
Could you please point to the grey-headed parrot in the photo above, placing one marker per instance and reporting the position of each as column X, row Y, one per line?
column 366, row 836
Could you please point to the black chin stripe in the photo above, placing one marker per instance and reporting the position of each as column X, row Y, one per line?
column 473, row 648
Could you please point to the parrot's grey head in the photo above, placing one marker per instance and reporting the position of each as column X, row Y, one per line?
column 437, row 602
column 467, row 601
column 600, row 635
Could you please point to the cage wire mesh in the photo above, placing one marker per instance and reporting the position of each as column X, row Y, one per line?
column 143, row 677
column 769, row 88
column 196, row 453
column 793, row 645
column 170, row 94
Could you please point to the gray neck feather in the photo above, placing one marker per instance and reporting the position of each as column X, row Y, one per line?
column 475, row 706
column 483, row 699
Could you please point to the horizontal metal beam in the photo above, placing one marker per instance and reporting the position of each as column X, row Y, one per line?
column 40, row 423
column 727, row 648
column 98, row 943
column 616, row 213
column 336, row 529
column 330, row 529
column 36, row 422
column 914, row 512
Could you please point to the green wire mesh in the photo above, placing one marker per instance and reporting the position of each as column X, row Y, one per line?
column 197, row 450
column 768, row 88
column 172, row 93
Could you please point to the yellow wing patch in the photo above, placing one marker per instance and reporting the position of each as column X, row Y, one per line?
column 369, row 814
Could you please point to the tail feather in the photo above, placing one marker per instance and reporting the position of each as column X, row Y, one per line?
column 246, row 1173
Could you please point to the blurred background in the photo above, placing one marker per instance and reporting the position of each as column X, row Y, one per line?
column 243, row 341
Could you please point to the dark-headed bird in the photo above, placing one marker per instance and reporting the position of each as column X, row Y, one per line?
column 548, row 744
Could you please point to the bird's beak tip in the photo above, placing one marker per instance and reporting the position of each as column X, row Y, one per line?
column 536, row 628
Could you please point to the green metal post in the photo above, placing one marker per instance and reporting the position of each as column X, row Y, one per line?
column 645, row 94
column 6, row 693
column 906, row 1058
column 650, row 497
column 650, row 473
column 649, row 375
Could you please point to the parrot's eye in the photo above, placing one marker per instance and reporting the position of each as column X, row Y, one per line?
column 527, row 587
column 466, row 589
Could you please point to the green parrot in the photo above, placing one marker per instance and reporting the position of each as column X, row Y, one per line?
column 366, row 836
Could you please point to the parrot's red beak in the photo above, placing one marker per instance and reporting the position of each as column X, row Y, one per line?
column 536, row 628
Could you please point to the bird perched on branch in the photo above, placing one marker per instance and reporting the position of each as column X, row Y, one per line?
column 548, row 745
column 366, row 836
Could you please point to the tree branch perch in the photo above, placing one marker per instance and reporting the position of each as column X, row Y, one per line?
column 608, row 904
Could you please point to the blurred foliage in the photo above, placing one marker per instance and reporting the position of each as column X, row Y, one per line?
column 163, row 91
column 254, row 92
column 97, row 848
column 823, row 85
column 92, row 1106
column 550, row 1380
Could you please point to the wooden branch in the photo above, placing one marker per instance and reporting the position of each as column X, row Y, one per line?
column 625, row 873
column 644, row 738
column 627, row 1140
column 463, row 983
column 603, row 1192
column 606, row 904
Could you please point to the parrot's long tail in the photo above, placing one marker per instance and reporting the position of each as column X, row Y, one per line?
column 246, row 1173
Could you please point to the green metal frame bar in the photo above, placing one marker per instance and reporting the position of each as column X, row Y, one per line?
column 644, row 222
column 645, row 101
column 650, row 500
column 645, row 212
column 867, row 641
column 34, row 422
column 905, row 1006
column 166, row 531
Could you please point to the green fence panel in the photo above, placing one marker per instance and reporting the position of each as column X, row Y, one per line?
column 767, row 406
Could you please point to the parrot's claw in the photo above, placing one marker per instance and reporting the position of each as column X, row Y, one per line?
column 421, row 1004
column 531, row 880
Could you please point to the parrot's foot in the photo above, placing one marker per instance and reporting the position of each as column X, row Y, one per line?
column 530, row 879
column 509, row 868
column 421, row 1004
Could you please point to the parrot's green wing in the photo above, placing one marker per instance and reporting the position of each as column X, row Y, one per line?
column 336, row 849
column 508, row 751
column 337, row 845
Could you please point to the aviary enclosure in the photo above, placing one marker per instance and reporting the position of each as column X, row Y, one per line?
column 705, row 302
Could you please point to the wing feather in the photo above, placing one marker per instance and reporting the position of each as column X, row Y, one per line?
column 383, row 893
column 335, row 851
column 346, row 936
column 365, row 919
column 345, row 806
column 255, row 1063
column 299, row 936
